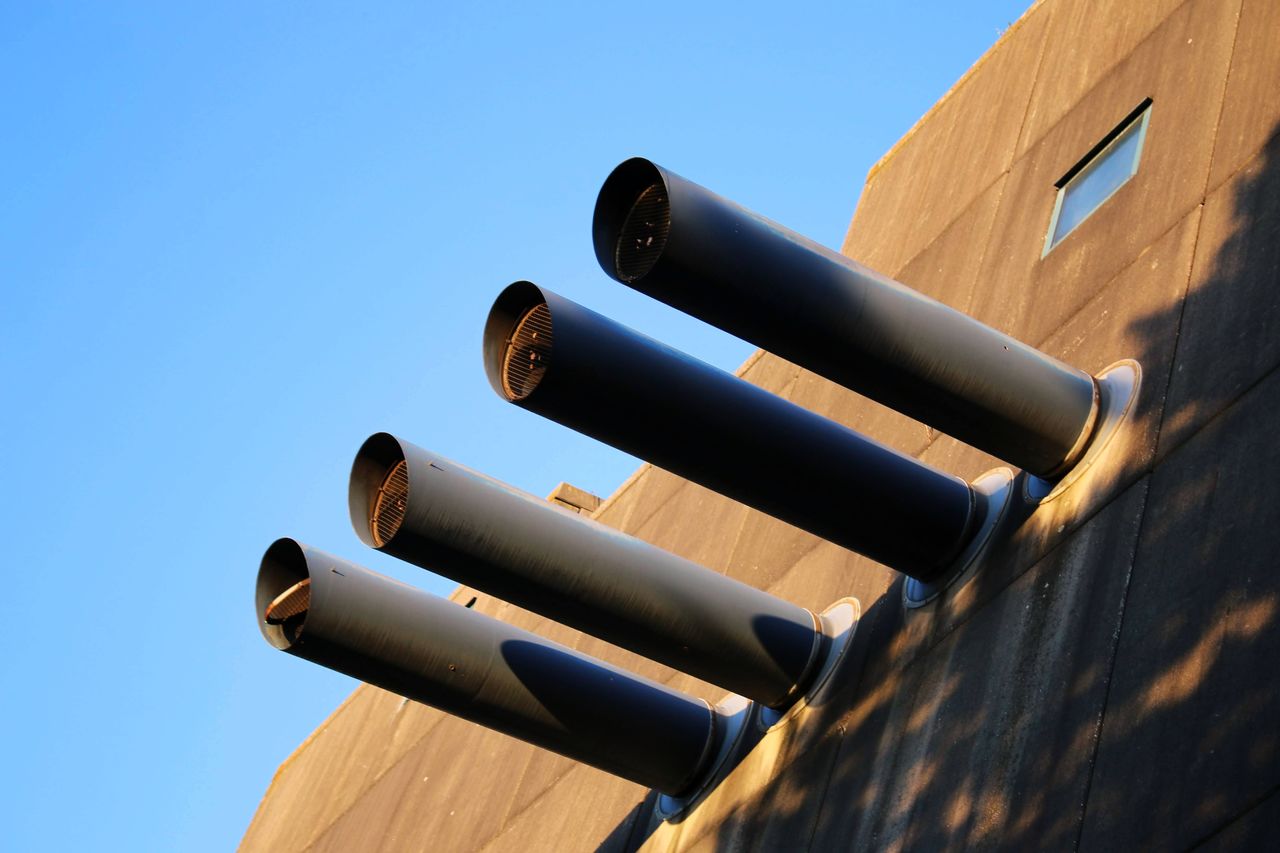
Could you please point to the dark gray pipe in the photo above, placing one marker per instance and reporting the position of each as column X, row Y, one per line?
column 449, row 519
column 606, row 381
column 436, row 652
column 688, row 247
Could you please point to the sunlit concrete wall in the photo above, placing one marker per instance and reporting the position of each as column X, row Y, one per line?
column 1109, row 676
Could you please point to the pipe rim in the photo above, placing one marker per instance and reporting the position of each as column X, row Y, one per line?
column 513, row 305
column 284, row 565
column 380, row 454
column 526, row 357
column 617, row 198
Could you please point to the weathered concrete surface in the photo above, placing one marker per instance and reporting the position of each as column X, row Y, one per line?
column 585, row 809
column 423, row 803
column 1231, row 324
column 364, row 738
column 951, row 156
column 987, row 739
column 947, row 269
column 681, row 523
column 1191, row 732
column 1088, row 38
column 1023, row 293
column 1249, row 106
column 574, row 498
column 1255, row 830
column 1105, row 675
column 1117, row 322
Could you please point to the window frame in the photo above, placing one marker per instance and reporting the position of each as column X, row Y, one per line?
column 1141, row 116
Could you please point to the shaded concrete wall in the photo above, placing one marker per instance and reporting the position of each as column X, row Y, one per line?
column 1107, row 677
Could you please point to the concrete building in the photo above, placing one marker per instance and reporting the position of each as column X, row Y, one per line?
column 1108, row 676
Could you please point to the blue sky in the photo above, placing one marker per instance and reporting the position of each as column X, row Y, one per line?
column 236, row 239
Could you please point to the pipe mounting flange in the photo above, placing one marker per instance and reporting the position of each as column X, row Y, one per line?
column 1118, row 388
column 732, row 714
column 993, row 490
column 839, row 622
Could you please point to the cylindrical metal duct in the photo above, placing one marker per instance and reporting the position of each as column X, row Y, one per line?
column 688, row 247
column 607, row 381
column 368, row 626
column 444, row 517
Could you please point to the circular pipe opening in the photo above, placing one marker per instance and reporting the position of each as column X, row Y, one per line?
column 527, row 354
column 632, row 220
column 389, row 503
column 283, row 594
column 378, row 492
column 518, row 339
column 644, row 233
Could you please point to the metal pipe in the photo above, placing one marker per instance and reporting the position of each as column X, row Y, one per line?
column 554, row 357
column 442, row 516
column 707, row 256
column 347, row 618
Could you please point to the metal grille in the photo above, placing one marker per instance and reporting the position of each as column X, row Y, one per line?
column 644, row 233
column 528, row 353
column 388, row 506
column 294, row 601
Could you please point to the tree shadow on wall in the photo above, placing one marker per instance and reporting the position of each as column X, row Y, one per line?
column 1190, row 740
column 1117, row 691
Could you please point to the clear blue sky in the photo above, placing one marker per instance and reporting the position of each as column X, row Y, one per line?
column 236, row 239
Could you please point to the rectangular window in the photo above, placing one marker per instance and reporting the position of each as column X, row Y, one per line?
column 1101, row 172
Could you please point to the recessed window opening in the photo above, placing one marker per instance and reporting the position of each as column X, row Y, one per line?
column 1098, row 175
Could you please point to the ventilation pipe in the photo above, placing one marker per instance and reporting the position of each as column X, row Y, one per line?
column 442, row 516
column 702, row 254
column 360, row 623
column 549, row 355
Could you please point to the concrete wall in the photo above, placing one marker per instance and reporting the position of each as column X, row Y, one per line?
column 1107, row 676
